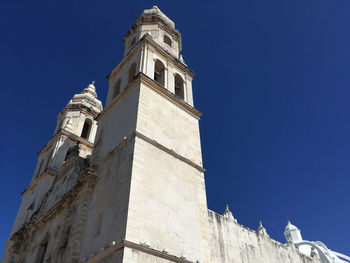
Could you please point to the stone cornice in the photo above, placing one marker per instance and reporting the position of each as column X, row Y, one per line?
column 129, row 88
column 154, row 143
column 68, row 135
column 94, row 258
column 169, row 151
column 126, row 58
column 147, row 39
column 178, row 101
column 118, row 147
column 154, row 20
column 155, row 86
column 37, row 180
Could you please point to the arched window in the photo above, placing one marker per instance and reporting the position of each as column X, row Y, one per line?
column 116, row 88
column 167, row 40
column 132, row 71
column 179, row 86
column 86, row 129
column 159, row 71
column 99, row 223
column 132, row 42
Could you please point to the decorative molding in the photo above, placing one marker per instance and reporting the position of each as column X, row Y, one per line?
column 118, row 147
column 147, row 39
column 38, row 179
column 128, row 89
column 169, row 151
column 87, row 178
column 67, row 135
column 124, row 60
column 128, row 244
column 140, row 77
column 178, row 101
column 154, row 143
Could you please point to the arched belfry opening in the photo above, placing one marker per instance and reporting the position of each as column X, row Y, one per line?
column 179, row 86
column 159, row 72
column 132, row 71
column 167, row 40
column 85, row 133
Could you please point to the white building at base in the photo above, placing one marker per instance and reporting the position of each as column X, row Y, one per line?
column 314, row 249
column 126, row 184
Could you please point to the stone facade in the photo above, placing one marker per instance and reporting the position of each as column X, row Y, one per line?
column 136, row 193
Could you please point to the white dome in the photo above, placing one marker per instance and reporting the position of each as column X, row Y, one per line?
column 155, row 11
column 91, row 89
column 290, row 227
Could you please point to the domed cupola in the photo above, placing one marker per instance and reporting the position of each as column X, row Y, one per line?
column 91, row 89
column 157, row 25
column 292, row 233
column 78, row 117
column 88, row 98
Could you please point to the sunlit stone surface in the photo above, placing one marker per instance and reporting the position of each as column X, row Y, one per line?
column 126, row 184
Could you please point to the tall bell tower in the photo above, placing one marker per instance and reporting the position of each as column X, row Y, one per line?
column 135, row 192
column 149, row 201
column 75, row 130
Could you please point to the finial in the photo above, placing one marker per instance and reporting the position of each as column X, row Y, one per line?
column 93, row 82
column 228, row 214
column 227, row 208
column 261, row 230
column 155, row 7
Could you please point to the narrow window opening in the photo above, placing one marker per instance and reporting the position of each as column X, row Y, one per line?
column 179, row 86
column 65, row 239
column 86, row 129
column 99, row 223
column 159, row 72
column 42, row 251
column 116, row 88
column 132, row 72
column 167, row 40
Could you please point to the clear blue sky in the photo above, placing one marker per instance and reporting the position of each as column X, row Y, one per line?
column 272, row 82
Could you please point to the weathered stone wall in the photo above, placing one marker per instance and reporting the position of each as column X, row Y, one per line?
column 167, row 195
column 164, row 121
column 232, row 242
column 167, row 200
column 106, row 219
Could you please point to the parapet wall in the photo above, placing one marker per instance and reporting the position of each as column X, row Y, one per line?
column 232, row 242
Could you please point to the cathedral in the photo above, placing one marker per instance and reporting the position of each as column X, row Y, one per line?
column 125, row 183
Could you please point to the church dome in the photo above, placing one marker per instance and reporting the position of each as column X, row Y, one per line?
column 91, row 89
column 290, row 227
column 155, row 12
column 88, row 97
